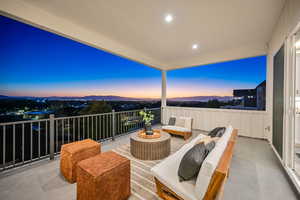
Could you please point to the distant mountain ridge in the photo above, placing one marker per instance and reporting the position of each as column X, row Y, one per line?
column 202, row 98
column 118, row 98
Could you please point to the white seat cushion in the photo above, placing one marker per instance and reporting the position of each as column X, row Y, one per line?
column 210, row 163
column 176, row 128
column 167, row 172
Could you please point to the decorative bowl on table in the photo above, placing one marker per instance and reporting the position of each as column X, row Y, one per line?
column 143, row 134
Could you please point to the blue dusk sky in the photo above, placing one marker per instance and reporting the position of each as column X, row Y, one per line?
column 34, row 62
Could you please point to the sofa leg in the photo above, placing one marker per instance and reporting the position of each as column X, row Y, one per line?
column 187, row 136
column 158, row 188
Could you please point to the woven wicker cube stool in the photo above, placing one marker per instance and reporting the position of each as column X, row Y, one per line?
column 74, row 152
column 103, row 177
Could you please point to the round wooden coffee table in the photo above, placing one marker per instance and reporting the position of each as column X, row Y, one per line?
column 150, row 149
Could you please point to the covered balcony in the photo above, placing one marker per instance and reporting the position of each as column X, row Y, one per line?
column 158, row 34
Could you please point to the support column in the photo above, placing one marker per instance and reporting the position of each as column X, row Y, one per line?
column 163, row 88
column 163, row 95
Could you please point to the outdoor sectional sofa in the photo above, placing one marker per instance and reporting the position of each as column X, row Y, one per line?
column 212, row 175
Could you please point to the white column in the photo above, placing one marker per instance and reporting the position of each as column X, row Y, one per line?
column 163, row 94
column 163, row 88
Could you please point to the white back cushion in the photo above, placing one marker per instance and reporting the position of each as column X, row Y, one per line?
column 185, row 122
column 180, row 122
column 210, row 163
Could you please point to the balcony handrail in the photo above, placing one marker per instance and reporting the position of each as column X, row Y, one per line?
column 75, row 116
column 24, row 122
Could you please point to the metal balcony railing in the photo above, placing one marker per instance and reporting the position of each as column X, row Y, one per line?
column 28, row 141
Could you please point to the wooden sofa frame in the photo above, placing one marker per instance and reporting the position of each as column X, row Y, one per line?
column 219, row 177
column 186, row 135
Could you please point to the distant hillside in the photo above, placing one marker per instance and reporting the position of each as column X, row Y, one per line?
column 119, row 98
column 3, row 97
column 84, row 98
column 202, row 98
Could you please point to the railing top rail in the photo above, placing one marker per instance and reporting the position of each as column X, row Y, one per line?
column 126, row 111
column 72, row 117
column 79, row 116
column 23, row 122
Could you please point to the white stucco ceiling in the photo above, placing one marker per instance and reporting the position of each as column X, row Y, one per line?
column 223, row 29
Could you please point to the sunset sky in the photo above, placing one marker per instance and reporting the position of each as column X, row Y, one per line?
column 34, row 62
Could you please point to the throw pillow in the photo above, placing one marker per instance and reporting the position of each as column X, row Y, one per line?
column 208, row 139
column 172, row 121
column 215, row 132
column 191, row 162
column 220, row 132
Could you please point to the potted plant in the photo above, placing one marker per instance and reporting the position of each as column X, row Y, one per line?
column 147, row 118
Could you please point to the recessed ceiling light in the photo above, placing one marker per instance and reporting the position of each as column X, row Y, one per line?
column 195, row 46
column 168, row 18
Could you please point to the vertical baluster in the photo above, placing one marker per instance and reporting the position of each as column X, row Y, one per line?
column 117, row 123
column 23, row 143
column 88, row 127
column 73, row 123
column 62, row 131
column 107, row 133
column 69, row 130
column 130, row 120
column 97, row 127
column 101, row 127
column 31, row 141
column 14, row 144
column 83, row 132
column 113, row 123
column 51, row 136
column 121, row 121
column 39, row 138
column 92, row 117
column 104, row 126
column 135, row 121
column 4, row 142
column 46, row 132
column 78, row 131
column 56, row 138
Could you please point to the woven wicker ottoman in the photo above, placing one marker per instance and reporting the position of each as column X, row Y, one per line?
column 103, row 177
column 74, row 152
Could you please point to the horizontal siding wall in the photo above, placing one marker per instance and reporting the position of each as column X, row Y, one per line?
column 249, row 123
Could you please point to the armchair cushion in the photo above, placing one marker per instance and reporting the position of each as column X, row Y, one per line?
column 176, row 128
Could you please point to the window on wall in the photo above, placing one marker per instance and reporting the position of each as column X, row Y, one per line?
column 238, row 84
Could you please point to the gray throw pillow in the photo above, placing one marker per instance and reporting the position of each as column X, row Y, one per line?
column 217, row 132
column 220, row 132
column 172, row 121
column 191, row 162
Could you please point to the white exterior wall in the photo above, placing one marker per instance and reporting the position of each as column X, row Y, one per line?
column 287, row 22
column 297, row 121
column 248, row 123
